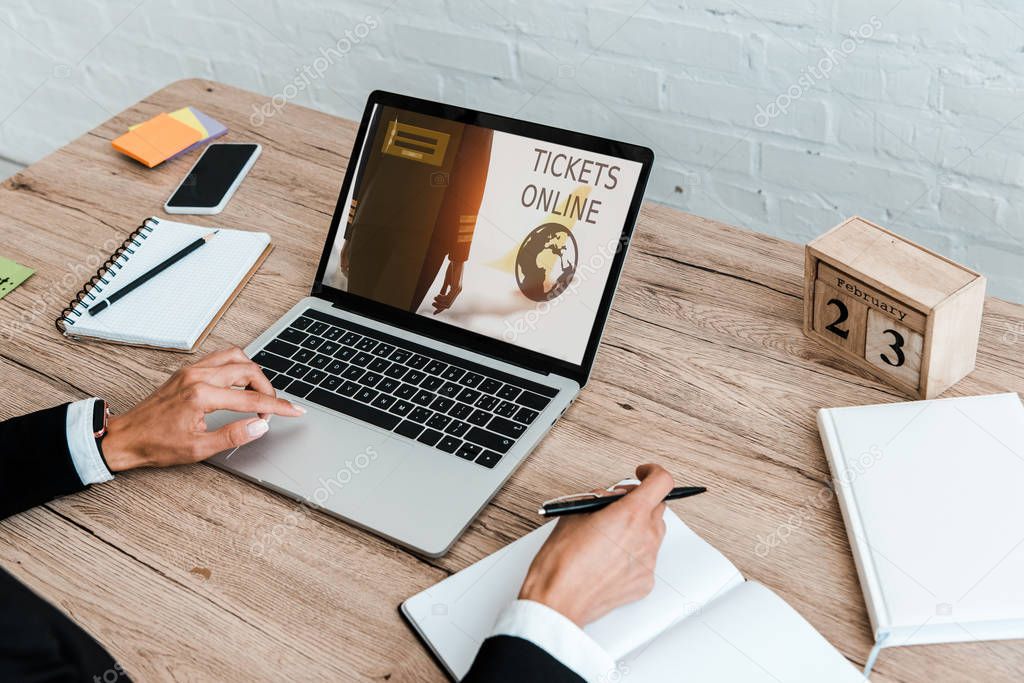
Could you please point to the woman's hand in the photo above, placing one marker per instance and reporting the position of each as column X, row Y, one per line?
column 595, row 562
column 345, row 257
column 450, row 288
column 169, row 427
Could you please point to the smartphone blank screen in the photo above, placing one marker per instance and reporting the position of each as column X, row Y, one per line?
column 210, row 179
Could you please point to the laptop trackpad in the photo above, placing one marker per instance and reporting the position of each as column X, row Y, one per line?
column 333, row 462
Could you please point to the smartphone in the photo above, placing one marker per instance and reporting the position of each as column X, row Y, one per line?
column 214, row 178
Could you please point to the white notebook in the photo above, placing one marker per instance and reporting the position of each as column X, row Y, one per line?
column 932, row 493
column 177, row 308
column 702, row 622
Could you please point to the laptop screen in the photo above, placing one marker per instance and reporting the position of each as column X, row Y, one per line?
column 486, row 230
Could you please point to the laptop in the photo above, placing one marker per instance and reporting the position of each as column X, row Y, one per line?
column 455, row 314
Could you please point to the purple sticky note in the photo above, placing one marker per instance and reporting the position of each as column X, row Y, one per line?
column 214, row 129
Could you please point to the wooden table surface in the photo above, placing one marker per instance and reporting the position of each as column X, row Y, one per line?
column 190, row 573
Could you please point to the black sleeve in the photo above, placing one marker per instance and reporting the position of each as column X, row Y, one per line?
column 35, row 463
column 505, row 659
column 371, row 149
column 39, row 644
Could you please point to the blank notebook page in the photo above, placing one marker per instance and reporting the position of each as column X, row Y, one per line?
column 748, row 635
column 457, row 614
column 173, row 308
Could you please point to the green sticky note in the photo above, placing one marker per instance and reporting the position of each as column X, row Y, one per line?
column 11, row 275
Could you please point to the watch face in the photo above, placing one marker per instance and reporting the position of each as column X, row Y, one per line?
column 99, row 418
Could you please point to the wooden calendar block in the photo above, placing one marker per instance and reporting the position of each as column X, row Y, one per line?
column 901, row 312
column 893, row 348
column 840, row 318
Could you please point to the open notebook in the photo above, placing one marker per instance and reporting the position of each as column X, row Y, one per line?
column 178, row 307
column 702, row 621
column 931, row 493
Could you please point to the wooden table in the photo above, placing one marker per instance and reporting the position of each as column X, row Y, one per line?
column 190, row 573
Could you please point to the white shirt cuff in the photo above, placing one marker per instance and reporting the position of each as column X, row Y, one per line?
column 82, row 444
column 559, row 637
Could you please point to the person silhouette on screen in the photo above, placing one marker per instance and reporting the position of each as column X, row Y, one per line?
column 415, row 203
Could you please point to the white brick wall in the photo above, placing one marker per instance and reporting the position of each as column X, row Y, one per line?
column 917, row 122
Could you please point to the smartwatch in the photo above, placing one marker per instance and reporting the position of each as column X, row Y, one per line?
column 100, row 414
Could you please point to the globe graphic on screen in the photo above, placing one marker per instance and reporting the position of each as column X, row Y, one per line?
column 546, row 262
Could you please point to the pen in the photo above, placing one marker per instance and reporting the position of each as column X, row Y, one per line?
column 155, row 270
column 558, row 508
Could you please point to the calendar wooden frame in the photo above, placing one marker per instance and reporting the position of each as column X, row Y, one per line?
column 923, row 309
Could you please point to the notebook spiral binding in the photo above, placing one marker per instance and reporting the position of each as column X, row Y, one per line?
column 93, row 285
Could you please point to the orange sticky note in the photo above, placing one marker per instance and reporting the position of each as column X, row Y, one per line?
column 156, row 140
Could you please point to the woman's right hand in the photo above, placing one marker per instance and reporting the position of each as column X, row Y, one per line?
column 595, row 562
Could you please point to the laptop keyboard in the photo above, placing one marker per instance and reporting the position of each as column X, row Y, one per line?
column 451, row 404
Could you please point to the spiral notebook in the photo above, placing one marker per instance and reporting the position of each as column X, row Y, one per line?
column 177, row 308
column 702, row 622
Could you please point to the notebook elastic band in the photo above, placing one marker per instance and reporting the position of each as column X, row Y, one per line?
column 873, row 655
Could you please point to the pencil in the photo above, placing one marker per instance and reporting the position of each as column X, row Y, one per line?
column 151, row 273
